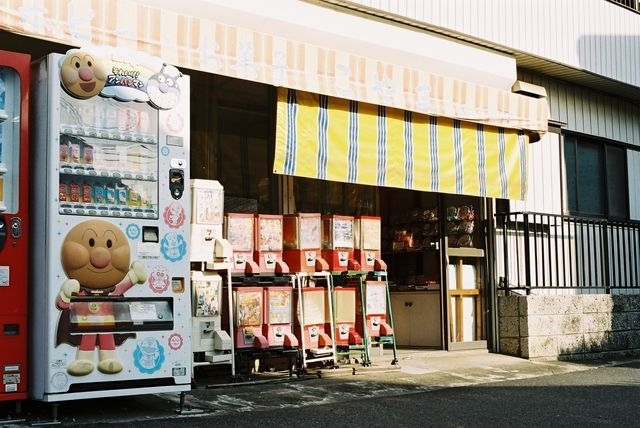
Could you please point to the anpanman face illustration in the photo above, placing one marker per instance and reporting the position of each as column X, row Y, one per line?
column 96, row 253
column 82, row 74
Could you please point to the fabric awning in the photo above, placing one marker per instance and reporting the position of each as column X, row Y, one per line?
column 336, row 139
column 211, row 36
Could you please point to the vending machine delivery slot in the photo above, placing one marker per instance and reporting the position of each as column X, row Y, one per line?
column 149, row 234
column 119, row 315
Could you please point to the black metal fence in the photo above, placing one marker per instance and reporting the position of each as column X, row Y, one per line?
column 536, row 251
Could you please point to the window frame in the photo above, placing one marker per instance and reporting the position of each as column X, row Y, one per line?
column 613, row 207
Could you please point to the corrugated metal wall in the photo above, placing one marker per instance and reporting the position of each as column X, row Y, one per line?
column 582, row 110
column 587, row 111
column 593, row 35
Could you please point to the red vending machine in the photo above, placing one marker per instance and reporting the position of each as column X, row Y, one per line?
column 268, row 245
column 278, row 327
column 367, row 241
column 239, row 230
column 302, row 241
column 14, row 205
column 248, row 318
column 337, row 241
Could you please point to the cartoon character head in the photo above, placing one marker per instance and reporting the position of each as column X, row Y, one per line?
column 96, row 253
column 82, row 74
column 163, row 89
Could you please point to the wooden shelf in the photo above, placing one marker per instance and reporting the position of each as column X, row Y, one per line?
column 465, row 252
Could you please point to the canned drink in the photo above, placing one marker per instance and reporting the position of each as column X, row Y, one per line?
column 87, row 193
column 64, row 150
column 74, row 151
column 121, row 194
column 63, row 192
column 74, row 192
column 99, row 193
column 87, row 154
column 111, row 194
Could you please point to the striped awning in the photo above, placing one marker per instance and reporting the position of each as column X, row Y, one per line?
column 335, row 139
column 213, row 37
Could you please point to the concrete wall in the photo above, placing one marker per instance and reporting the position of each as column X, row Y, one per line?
column 569, row 327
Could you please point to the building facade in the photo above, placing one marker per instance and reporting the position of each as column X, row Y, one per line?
column 518, row 118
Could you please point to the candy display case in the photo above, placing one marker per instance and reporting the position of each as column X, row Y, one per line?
column 367, row 241
column 239, row 230
column 302, row 241
column 268, row 241
column 337, row 241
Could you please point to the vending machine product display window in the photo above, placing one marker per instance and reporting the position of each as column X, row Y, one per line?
column 108, row 158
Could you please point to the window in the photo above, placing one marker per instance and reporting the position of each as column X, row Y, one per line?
column 330, row 197
column 232, row 140
column 596, row 178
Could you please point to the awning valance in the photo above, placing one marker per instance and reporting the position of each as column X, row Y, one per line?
column 335, row 139
column 215, row 36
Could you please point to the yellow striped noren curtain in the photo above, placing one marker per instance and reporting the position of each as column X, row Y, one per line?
column 335, row 139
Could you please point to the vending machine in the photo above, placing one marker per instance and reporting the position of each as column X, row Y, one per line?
column 337, row 241
column 210, row 256
column 368, row 242
column 302, row 238
column 268, row 246
column 111, row 293
column 14, row 220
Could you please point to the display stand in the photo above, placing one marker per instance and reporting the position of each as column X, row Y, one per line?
column 211, row 257
column 380, row 328
column 211, row 345
column 314, row 311
column 262, row 319
column 349, row 316
column 374, row 318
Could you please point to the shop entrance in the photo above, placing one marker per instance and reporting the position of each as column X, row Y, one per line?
column 435, row 261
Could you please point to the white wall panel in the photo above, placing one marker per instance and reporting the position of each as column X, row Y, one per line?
column 593, row 35
column 544, row 193
column 633, row 165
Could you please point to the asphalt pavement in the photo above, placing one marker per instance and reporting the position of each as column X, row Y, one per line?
column 216, row 392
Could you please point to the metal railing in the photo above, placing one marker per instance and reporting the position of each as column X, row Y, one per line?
column 536, row 251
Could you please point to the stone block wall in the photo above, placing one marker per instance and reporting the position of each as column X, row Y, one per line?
column 569, row 327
